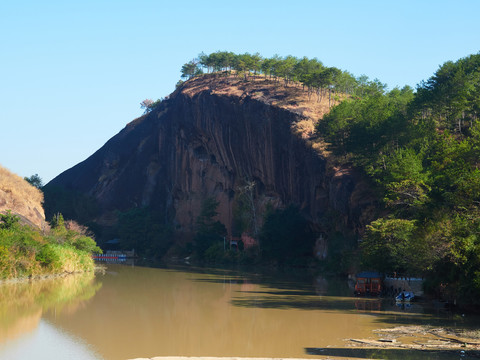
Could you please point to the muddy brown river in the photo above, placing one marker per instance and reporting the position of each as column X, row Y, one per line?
column 133, row 312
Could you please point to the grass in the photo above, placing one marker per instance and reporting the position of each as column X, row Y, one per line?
column 13, row 184
column 20, row 197
column 26, row 252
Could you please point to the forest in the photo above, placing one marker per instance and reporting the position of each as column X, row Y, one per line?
column 419, row 148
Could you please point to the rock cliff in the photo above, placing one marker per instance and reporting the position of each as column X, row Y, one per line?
column 209, row 138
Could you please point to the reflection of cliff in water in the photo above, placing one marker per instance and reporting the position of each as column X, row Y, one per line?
column 23, row 304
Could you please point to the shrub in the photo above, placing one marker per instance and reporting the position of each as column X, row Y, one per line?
column 47, row 255
column 8, row 220
column 27, row 252
column 214, row 253
column 6, row 264
column 286, row 235
column 87, row 244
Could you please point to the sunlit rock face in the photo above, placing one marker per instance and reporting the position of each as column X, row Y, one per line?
column 22, row 199
column 209, row 138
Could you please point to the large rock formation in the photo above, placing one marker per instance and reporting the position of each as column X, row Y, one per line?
column 209, row 138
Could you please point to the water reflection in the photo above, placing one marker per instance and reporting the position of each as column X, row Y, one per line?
column 146, row 312
column 23, row 304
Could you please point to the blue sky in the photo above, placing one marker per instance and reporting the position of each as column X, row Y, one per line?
column 73, row 73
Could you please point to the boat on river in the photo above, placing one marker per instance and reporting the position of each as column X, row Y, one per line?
column 405, row 296
column 368, row 283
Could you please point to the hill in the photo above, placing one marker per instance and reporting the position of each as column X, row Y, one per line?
column 216, row 137
column 21, row 198
column 29, row 247
column 385, row 180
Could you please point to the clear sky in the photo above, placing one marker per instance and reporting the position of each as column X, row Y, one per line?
column 73, row 72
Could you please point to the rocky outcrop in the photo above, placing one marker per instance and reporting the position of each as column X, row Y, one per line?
column 209, row 138
column 22, row 199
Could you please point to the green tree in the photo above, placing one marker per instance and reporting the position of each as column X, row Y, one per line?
column 144, row 230
column 35, row 180
column 246, row 208
column 57, row 221
column 389, row 245
column 148, row 105
column 190, row 69
column 286, row 236
column 210, row 232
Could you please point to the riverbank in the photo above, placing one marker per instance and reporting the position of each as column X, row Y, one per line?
column 418, row 337
column 416, row 342
column 27, row 252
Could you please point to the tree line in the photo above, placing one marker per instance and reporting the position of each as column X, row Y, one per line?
column 312, row 74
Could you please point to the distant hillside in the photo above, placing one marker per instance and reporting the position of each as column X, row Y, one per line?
column 21, row 198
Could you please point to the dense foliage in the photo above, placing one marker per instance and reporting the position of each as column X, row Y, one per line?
column 210, row 235
column 26, row 252
column 145, row 231
column 286, row 236
column 422, row 150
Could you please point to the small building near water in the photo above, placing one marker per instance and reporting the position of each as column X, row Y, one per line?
column 368, row 283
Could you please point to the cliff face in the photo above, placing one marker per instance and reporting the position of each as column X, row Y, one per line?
column 208, row 139
column 21, row 199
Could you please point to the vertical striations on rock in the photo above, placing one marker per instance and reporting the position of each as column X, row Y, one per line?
column 208, row 138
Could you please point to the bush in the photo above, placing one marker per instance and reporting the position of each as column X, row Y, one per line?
column 214, row 253
column 8, row 220
column 286, row 235
column 5, row 261
column 87, row 244
column 47, row 255
column 25, row 251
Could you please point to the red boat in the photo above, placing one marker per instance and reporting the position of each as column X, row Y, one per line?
column 368, row 283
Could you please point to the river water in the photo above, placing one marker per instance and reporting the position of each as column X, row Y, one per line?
column 132, row 312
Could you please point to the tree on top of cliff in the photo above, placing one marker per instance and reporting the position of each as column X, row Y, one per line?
column 148, row 105
column 314, row 77
column 191, row 69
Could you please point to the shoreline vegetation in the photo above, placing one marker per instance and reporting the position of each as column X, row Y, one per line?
column 30, row 248
column 28, row 253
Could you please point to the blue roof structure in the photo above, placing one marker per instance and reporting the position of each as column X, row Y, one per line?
column 369, row 274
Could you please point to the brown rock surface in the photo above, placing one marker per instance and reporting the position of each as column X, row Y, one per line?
column 208, row 138
column 21, row 199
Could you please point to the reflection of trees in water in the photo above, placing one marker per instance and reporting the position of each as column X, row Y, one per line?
column 22, row 304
